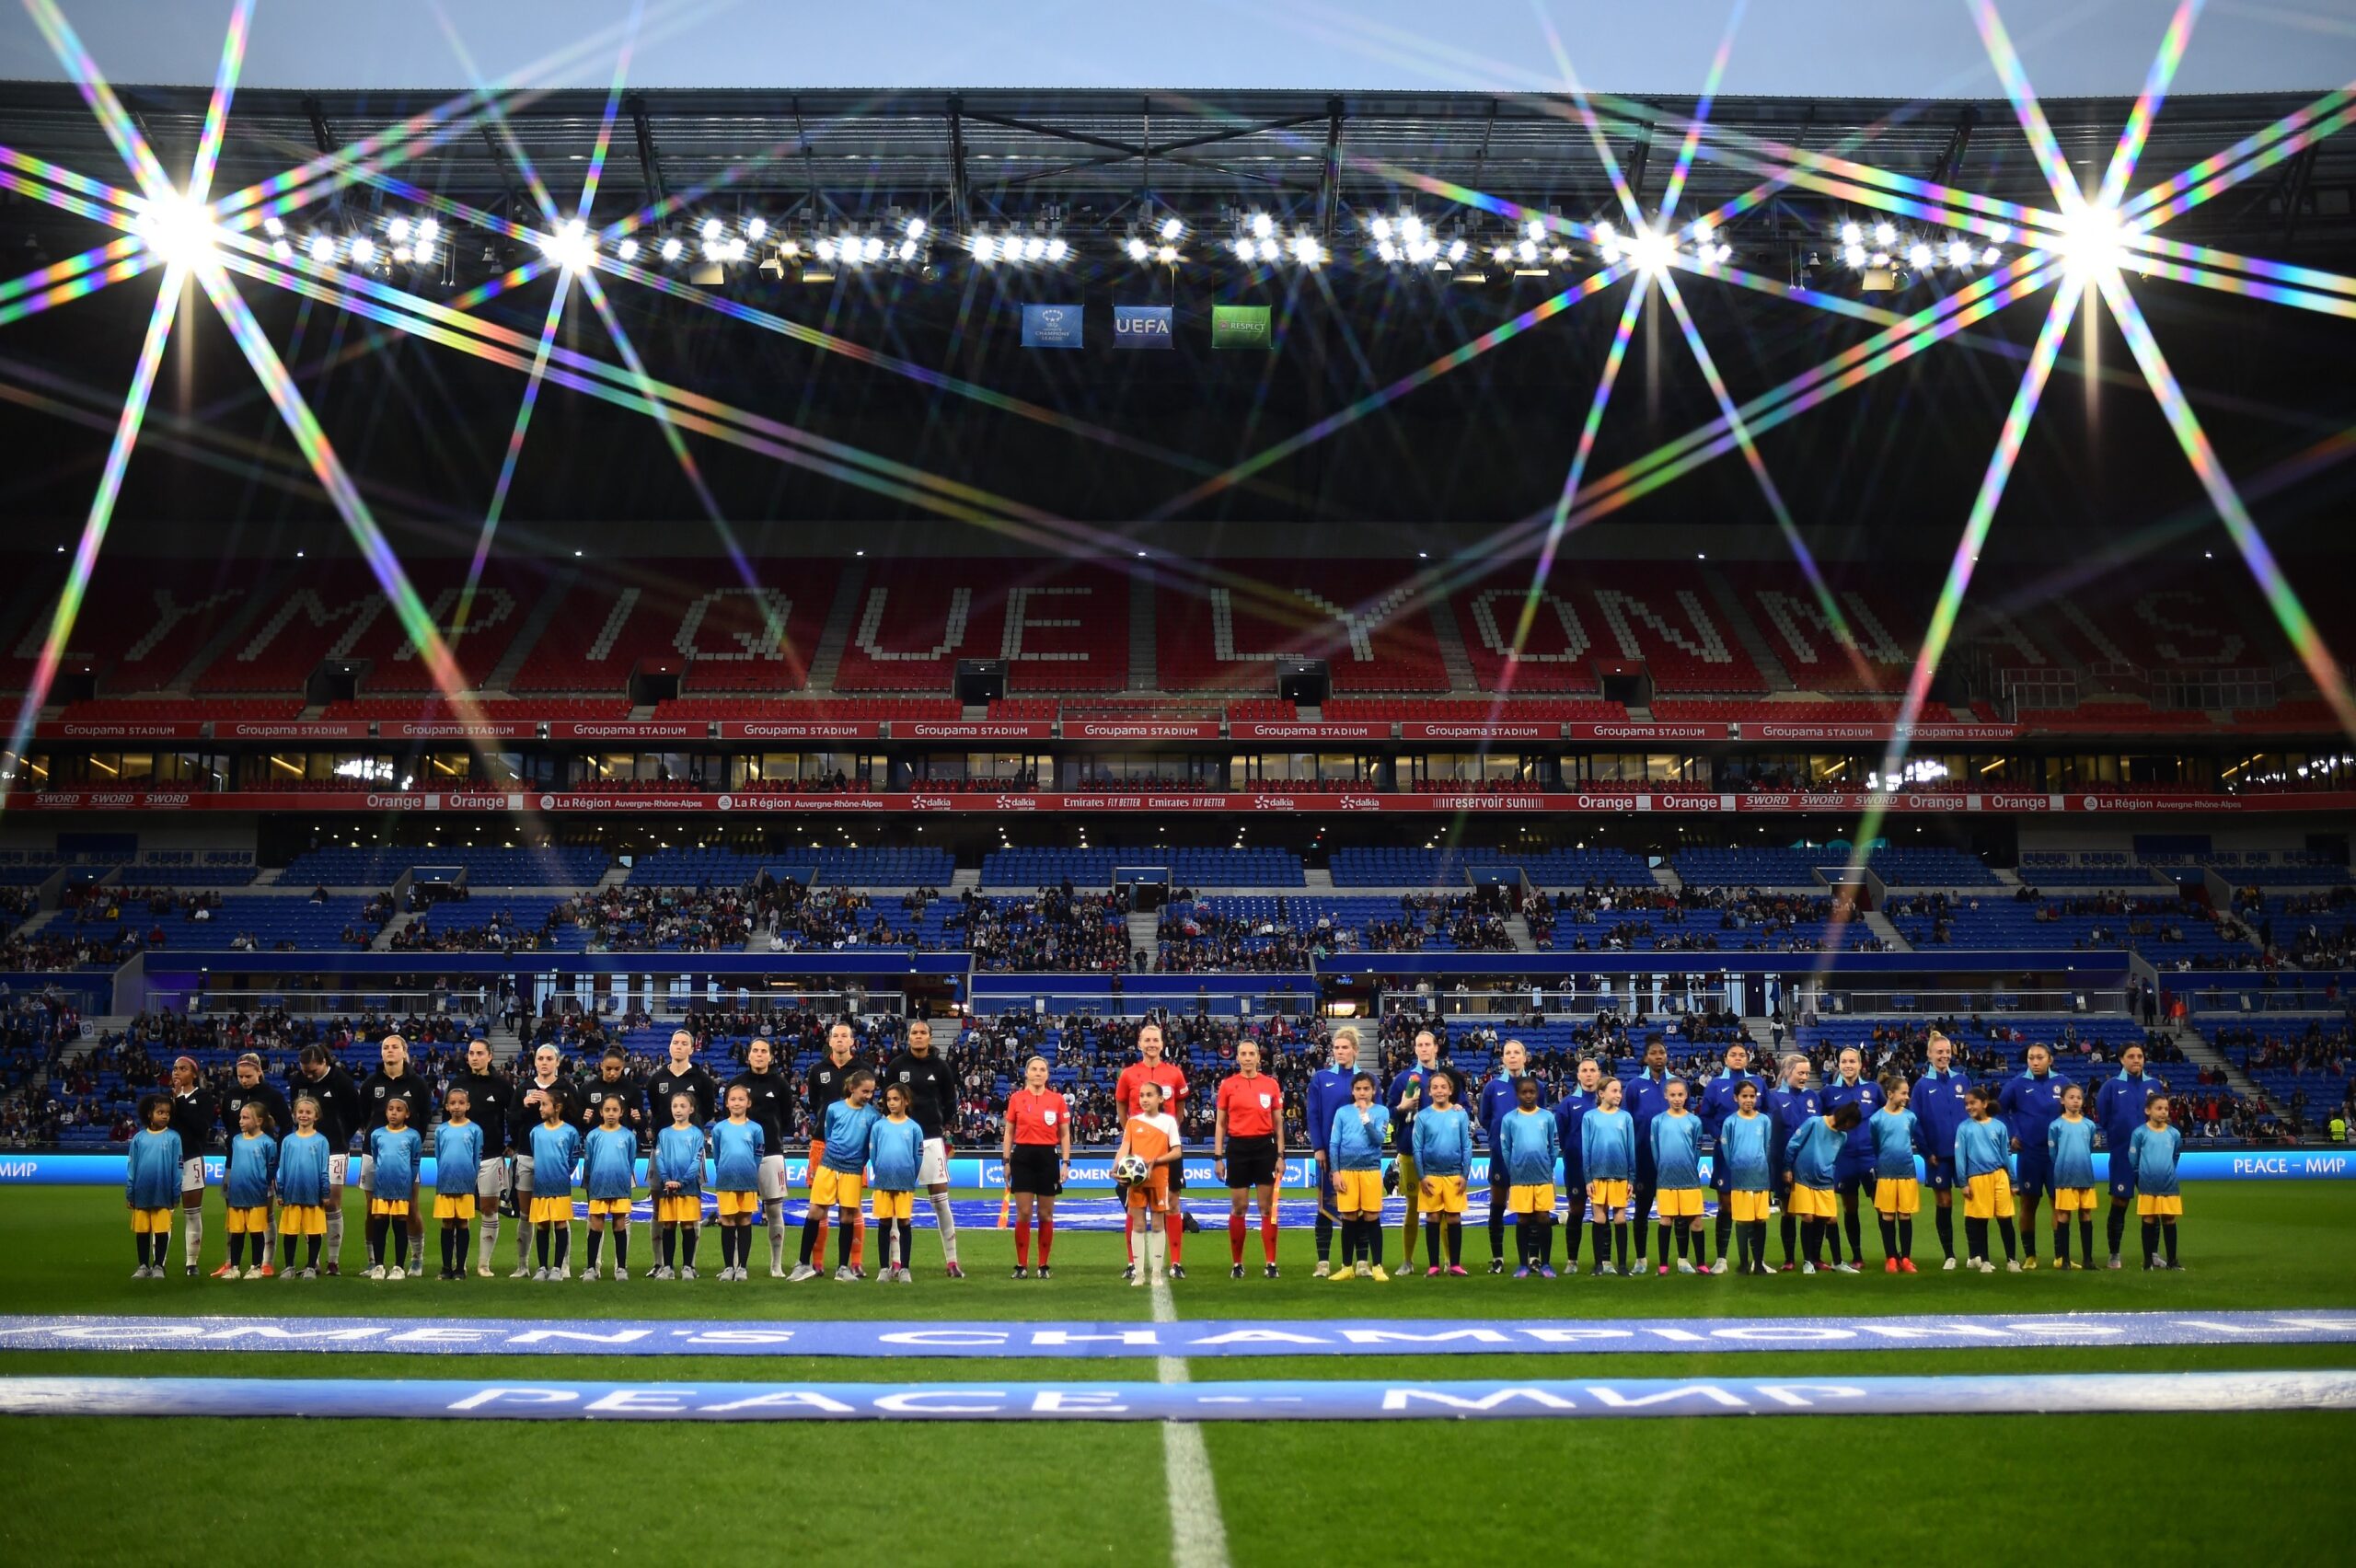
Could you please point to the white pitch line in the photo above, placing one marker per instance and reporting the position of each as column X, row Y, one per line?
column 1197, row 1532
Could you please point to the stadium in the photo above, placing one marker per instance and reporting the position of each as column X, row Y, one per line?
column 1350, row 795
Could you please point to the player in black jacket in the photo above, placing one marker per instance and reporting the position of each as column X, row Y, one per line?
column 545, row 1080
column 252, row 1088
column 772, row 1107
column 822, row 1085
column 610, row 1082
column 192, row 1116
column 318, row 1076
column 395, row 1080
column 682, row 1075
column 491, row 1105
column 931, row 1086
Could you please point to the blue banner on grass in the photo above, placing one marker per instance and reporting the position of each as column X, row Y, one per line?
column 1339, row 1399
column 1212, row 1338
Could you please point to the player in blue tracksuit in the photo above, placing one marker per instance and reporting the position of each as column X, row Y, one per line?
column 609, row 1177
column 2153, row 1152
column 1527, row 1149
column 151, row 1182
column 1328, row 1090
column 2028, row 1104
column 1855, row 1170
column 1646, row 1096
column 1791, row 1107
column 1746, row 1153
column 457, row 1168
column 1570, row 1116
column 1608, row 1158
column 1499, row 1099
column 738, row 1145
column 555, row 1149
column 2119, row 1110
column 1982, row 1146
column 304, row 1186
column 1936, row 1101
column 1717, row 1104
column 1676, row 1140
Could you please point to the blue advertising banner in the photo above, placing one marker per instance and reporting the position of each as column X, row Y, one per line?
column 1206, row 1339
column 1051, row 325
column 1093, row 1168
column 1141, row 327
column 1339, row 1399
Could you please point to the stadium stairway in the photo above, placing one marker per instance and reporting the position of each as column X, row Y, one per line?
column 1317, row 879
column 527, row 636
column 2201, row 1054
column 400, row 922
column 1519, row 930
column 1667, row 879
column 1145, row 931
column 1144, row 671
column 836, row 633
column 1879, row 925
column 1739, row 623
column 1452, row 656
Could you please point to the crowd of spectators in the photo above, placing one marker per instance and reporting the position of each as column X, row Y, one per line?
column 1056, row 928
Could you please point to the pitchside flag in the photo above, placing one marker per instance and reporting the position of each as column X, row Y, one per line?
column 1241, row 327
column 1051, row 325
column 1141, row 327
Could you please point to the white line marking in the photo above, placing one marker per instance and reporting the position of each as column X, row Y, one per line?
column 1197, row 1532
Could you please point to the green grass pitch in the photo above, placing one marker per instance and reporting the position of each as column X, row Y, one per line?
column 2206, row 1488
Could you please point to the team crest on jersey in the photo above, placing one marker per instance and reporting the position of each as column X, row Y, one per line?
column 1267, row 1100
column 380, row 1091
column 1048, row 1117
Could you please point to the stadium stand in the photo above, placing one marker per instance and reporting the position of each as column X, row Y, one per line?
column 1060, row 628
column 1442, row 710
column 1796, row 867
column 1869, row 648
column 340, row 613
column 1226, row 633
column 1438, row 867
column 694, row 616
column 552, row 866
column 142, row 623
column 730, row 868
column 1186, row 866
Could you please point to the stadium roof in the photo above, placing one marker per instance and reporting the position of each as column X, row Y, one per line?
column 1307, row 157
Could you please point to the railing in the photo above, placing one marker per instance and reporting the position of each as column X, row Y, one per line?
column 1842, row 1001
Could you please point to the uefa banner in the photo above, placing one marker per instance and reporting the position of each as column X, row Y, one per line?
column 1051, row 325
column 1141, row 327
column 1093, row 1169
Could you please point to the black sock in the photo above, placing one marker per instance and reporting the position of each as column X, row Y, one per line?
column 2168, row 1237
column 2086, row 1238
column 311, row 1251
column 400, row 1247
column 1496, row 1220
column 449, row 1245
column 691, row 1235
column 543, row 1238
column 1602, row 1242
column 2117, row 1227
column 2151, row 1240
column 1686, row 1237
column 2028, row 1232
column 621, row 1247
column 1546, row 1244
column 1431, row 1241
column 1639, row 1211
column 1975, row 1235
column 1326, row 1238
column 1790, row 1229
column 666, row 1245
column 1945, row 1221
column 1889, row 1237
column 1853, row 1222
column 1375, row 1240
column 1572, row 1236
column 2004, row 1233
column 2061, row 1240
column 809, row 1235
column 1725, row 1226
column 138, row 1239
column 1906, row 1238
column 563, row 1248
column 376, row 1241
column 1812, row 1238
column 1758, row 1229
column 596, row 1246
column 237, row 1249
column 848, row 1232
column 1454, row 1233
column 288, row 1243
column 1620, row 1242
column 1664, row 1230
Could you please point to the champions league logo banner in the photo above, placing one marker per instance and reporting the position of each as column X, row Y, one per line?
column 1051, row 325
column 514, row 1399
column 1208, row 1339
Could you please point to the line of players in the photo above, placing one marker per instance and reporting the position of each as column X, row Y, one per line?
column 1627, row 1150
column 494, row 1158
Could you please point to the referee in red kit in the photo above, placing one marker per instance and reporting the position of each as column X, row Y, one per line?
column 1037, row 1154
column 1247, row 1151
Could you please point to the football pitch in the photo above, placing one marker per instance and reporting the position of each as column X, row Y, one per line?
column 2148, row 1487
